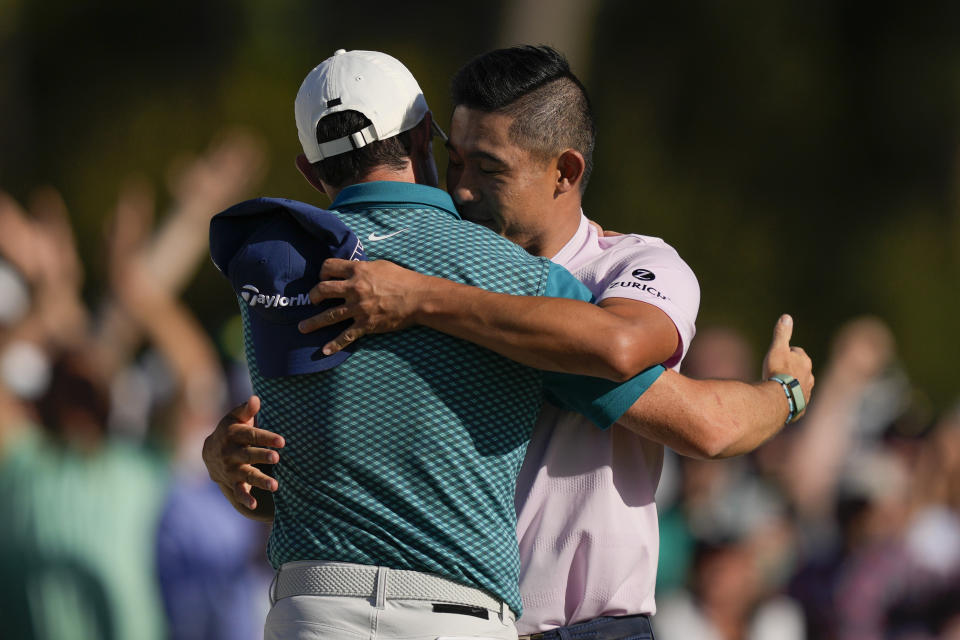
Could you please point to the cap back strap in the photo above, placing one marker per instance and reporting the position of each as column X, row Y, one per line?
column 348, row 143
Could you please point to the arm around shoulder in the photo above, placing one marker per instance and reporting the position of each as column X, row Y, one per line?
column 559, row 331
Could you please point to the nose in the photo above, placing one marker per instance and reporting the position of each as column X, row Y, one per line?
column 463, row 195
column 462, row 191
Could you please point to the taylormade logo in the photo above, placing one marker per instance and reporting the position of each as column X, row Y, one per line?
column 252, row 296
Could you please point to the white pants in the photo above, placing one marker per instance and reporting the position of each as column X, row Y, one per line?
column 308, row 617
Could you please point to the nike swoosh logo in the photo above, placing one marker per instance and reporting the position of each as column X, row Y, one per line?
column 373, row 237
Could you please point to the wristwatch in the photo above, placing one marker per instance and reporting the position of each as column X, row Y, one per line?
column 791, row 386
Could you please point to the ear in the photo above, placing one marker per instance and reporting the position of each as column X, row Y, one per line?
column 570, row 168
column 421, row 153
column 305, row 168
column 420, row 137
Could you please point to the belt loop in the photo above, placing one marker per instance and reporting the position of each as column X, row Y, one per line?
column 273, row 588
column 381, row 587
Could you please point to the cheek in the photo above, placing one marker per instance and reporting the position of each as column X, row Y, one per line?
column 526, row 200
column 453, row 176
column 510, row 206
column 502, row 200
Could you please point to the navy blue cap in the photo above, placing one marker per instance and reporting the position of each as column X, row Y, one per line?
column 271, row 251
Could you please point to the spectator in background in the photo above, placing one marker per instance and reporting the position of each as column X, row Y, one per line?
column 82, row 552
column 931, row 602
column 880, row 494
column 82, row 509
column 727, row 599
column 81, row 506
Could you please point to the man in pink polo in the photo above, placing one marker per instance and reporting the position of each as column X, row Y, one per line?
column 520, row 154
column 586, row 518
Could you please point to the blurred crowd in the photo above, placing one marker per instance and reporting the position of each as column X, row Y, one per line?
column 845, row 526
column 111, row 528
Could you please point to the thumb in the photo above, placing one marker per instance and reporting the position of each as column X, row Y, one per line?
column 246, row 411
column 782, row 332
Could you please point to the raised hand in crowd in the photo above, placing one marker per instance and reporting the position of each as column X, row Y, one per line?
column 40, row 245
column 201, row 186
column 168, row 325
column 861, row 350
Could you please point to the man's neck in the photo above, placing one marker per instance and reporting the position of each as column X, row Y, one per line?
column 375, row 175
column 562, row 227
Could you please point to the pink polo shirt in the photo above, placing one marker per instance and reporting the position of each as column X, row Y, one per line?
column 586, row 519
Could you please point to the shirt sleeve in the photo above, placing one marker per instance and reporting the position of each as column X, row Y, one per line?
column 656, row 274
column 601, row 401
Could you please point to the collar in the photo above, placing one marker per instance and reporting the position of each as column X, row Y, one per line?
column 576, row 243
column 394, row 193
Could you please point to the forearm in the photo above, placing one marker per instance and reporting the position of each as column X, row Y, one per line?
column 554, row 334
column 708, row 418
column 180, row 338
column 616, row 339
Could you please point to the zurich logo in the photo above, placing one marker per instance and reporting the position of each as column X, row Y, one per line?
column 643, row 274
column 247, row 291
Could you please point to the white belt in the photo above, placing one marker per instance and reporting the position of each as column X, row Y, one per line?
column 360, row 581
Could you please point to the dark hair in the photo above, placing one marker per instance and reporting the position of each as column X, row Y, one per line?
column 535, row 86
column 347, row 168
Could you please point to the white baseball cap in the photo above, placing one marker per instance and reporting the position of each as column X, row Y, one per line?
column 373, row 83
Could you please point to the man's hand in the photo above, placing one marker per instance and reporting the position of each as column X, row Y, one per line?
column 232, row 450
column 793, row 361
column 378, row 296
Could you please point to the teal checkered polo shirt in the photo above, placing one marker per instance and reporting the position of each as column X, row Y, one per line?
column 406, row 454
